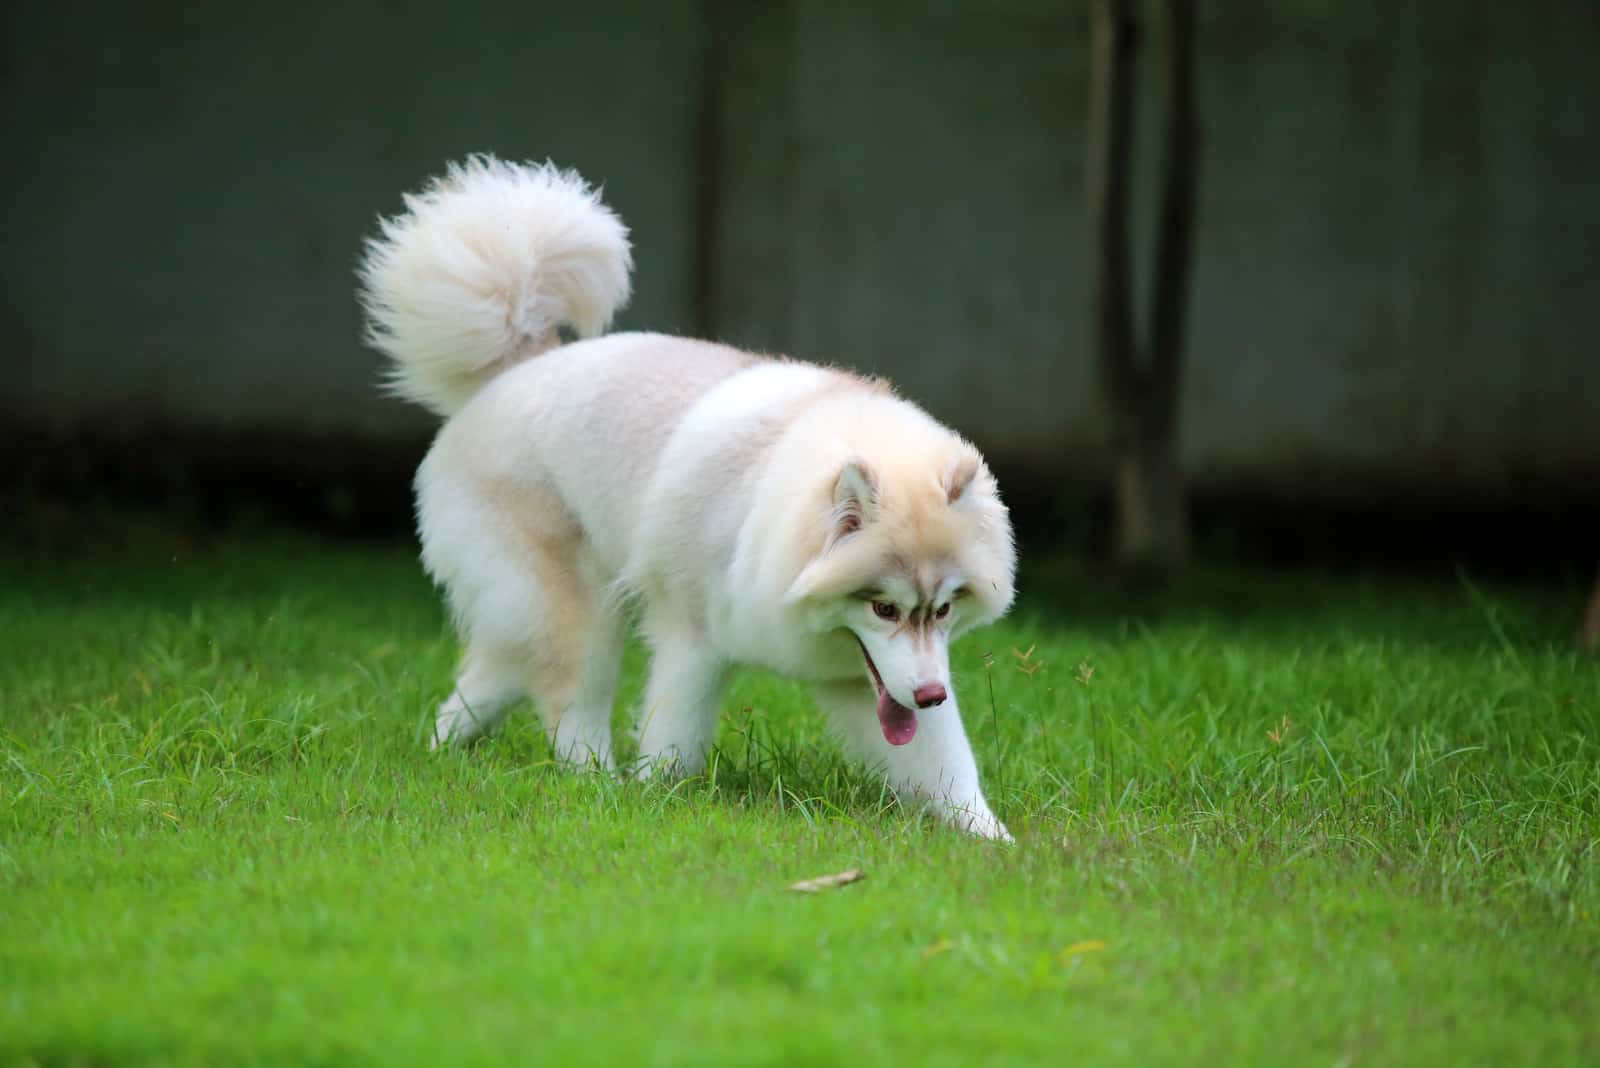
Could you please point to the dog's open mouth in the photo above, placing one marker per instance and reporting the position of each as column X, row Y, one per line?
column 899, row 723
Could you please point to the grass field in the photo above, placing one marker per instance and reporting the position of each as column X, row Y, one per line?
column 1262, row 819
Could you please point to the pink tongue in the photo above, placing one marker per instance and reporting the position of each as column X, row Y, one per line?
column 899, row 723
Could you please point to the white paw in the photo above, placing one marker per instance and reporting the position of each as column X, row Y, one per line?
column 643, row 769
column 445, row 733
column 982, row 823
column 670, row 765
column 598, row 761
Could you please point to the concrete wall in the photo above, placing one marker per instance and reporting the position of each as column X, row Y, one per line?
column 1399, row 246
column 189, row 185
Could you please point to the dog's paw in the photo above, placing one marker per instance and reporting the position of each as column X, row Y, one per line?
column 670, row 766
column 982, row 823
column 445, row 735
column 991, row 829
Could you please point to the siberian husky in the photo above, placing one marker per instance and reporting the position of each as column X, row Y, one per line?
column 742, row 508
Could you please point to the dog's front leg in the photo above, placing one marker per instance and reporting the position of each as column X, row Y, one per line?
column 679, row 717
column 935, row 769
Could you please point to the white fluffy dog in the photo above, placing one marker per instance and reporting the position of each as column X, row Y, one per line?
column 745, row 509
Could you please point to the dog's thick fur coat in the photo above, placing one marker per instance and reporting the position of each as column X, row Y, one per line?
column 745, row 509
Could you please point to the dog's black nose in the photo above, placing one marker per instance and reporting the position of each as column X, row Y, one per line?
column 928, row 695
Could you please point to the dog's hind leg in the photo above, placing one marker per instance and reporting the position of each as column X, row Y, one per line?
column 527, row 609
column 581, row 727
column 936, row 769
column 485, row 689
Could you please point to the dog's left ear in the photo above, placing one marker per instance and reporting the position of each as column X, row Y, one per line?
column 960, row 478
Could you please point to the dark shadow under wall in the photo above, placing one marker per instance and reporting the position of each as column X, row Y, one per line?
column 62, row 495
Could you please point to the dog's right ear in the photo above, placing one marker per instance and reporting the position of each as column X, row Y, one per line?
column 960, row 478
column 855, row 500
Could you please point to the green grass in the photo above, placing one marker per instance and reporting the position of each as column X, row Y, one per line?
column 221, row 841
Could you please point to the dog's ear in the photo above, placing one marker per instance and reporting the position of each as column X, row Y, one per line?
column 960, row 478
column 855, row 500
column 855, row 504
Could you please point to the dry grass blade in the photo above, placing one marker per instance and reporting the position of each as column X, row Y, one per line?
column 828, row 882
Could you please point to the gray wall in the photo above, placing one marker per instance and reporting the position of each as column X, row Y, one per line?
column 189, row 185
column 1400, row 232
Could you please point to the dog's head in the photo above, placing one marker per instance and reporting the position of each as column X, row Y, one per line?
column 912, row 558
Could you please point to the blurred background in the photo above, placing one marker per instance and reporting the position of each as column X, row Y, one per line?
column 1389, row 354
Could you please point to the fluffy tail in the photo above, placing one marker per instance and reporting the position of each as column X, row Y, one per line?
column 483, row 269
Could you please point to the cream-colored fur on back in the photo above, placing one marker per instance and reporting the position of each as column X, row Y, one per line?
column 737, row 505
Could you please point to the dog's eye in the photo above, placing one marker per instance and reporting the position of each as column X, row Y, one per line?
column 942, row 611
column 886, row 611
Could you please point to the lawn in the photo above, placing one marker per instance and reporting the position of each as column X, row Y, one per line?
column 1261, row 818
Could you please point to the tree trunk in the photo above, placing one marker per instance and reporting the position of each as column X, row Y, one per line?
column 1141, row 395
column 1589, row 635
column 709, row 166
column 1163, row 480
column 1152, row 521
column 1110, row 166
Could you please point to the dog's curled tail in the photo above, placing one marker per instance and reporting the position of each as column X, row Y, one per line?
column 483, row 269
